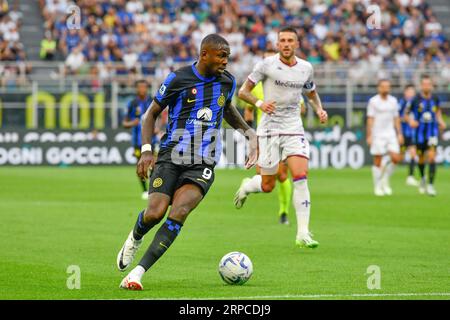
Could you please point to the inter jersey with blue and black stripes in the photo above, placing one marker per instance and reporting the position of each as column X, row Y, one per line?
column 424, row 111
column 135, row 109
column 196, row 105
column 404, row 105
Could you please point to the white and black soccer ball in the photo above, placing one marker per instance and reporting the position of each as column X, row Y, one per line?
column 235, row 268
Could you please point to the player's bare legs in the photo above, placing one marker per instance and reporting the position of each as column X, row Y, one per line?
column 298, row 166
column 185, row 199
column 410, row 180
column 284, row 192
column 266, row 183
column 421, row 165
column 376, row 175
column 430, row 157
column 147, row 219
column 387, row 170
column 261, row 182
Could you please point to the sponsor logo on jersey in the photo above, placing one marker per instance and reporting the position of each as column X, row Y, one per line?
column 289, row 84
column 204, row 114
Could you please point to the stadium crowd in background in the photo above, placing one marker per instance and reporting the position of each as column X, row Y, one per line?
column 11, row 49
column 146, row 37
column 137, row 32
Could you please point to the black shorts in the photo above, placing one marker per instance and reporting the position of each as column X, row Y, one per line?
column 408, row 142
column 427, row 144
column 167, row 176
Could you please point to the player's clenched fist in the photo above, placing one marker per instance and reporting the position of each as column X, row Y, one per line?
column 253, row 153
column 145, row 162
column 268, row 107
column 323, row 116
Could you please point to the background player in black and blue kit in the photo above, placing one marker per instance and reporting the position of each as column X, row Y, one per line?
column 425, row 116
column 199, row 97
column 135, row 109
column 409, row 144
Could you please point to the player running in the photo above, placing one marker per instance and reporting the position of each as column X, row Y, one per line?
column 135, row 109
column 198, row 97
column 284, row 183
column 425, row 116
column 280, row 133
column 408, row 134
column 384, row 136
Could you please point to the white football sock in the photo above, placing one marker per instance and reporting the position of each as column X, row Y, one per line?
column 376, row 175
column 253, row 185
column 387, row 170
column 138, row 272
column 390, row 168
column 385, row 160
column 302, row 206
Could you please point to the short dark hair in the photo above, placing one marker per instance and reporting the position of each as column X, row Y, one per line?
column 383, row 80
column 137, row 82
column 425, row 76
column 214, row 40
column 409, row 85
column 288, row 29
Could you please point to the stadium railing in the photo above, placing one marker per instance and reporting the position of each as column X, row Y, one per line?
column 40, row 94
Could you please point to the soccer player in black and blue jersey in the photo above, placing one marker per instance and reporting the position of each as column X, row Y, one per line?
column 409, row 145
column 199, row 97
column 425, row 116
column 135, row 109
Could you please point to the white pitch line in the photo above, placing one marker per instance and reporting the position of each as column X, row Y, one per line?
column 306, row 296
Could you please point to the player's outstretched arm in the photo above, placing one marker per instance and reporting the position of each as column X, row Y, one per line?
column 410, row 115
column 398, row 129
column 245, row 93
column 441, row 122
column 127, row 123
column 235, row 120
column 314, row 99
column 146, row 160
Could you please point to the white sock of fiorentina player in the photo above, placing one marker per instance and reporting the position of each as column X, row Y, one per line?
column 376, row 175
column 385, row 161
column 302, row 205
column 389, row 170
column 253, row 185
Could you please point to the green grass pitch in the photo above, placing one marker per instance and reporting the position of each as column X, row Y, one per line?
column 52, row 218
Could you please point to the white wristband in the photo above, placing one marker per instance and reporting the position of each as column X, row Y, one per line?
column 146, row 147
column 259, row 103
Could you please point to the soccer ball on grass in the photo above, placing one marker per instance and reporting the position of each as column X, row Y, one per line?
column 235, row 268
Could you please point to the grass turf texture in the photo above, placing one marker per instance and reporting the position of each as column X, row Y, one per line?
column 55, row 217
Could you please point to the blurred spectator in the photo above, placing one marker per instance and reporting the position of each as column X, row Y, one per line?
column 16, row 69
column 130, row 59
column 48, row 47
column 75, row 60
column 4, row 8
column 136, row 33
